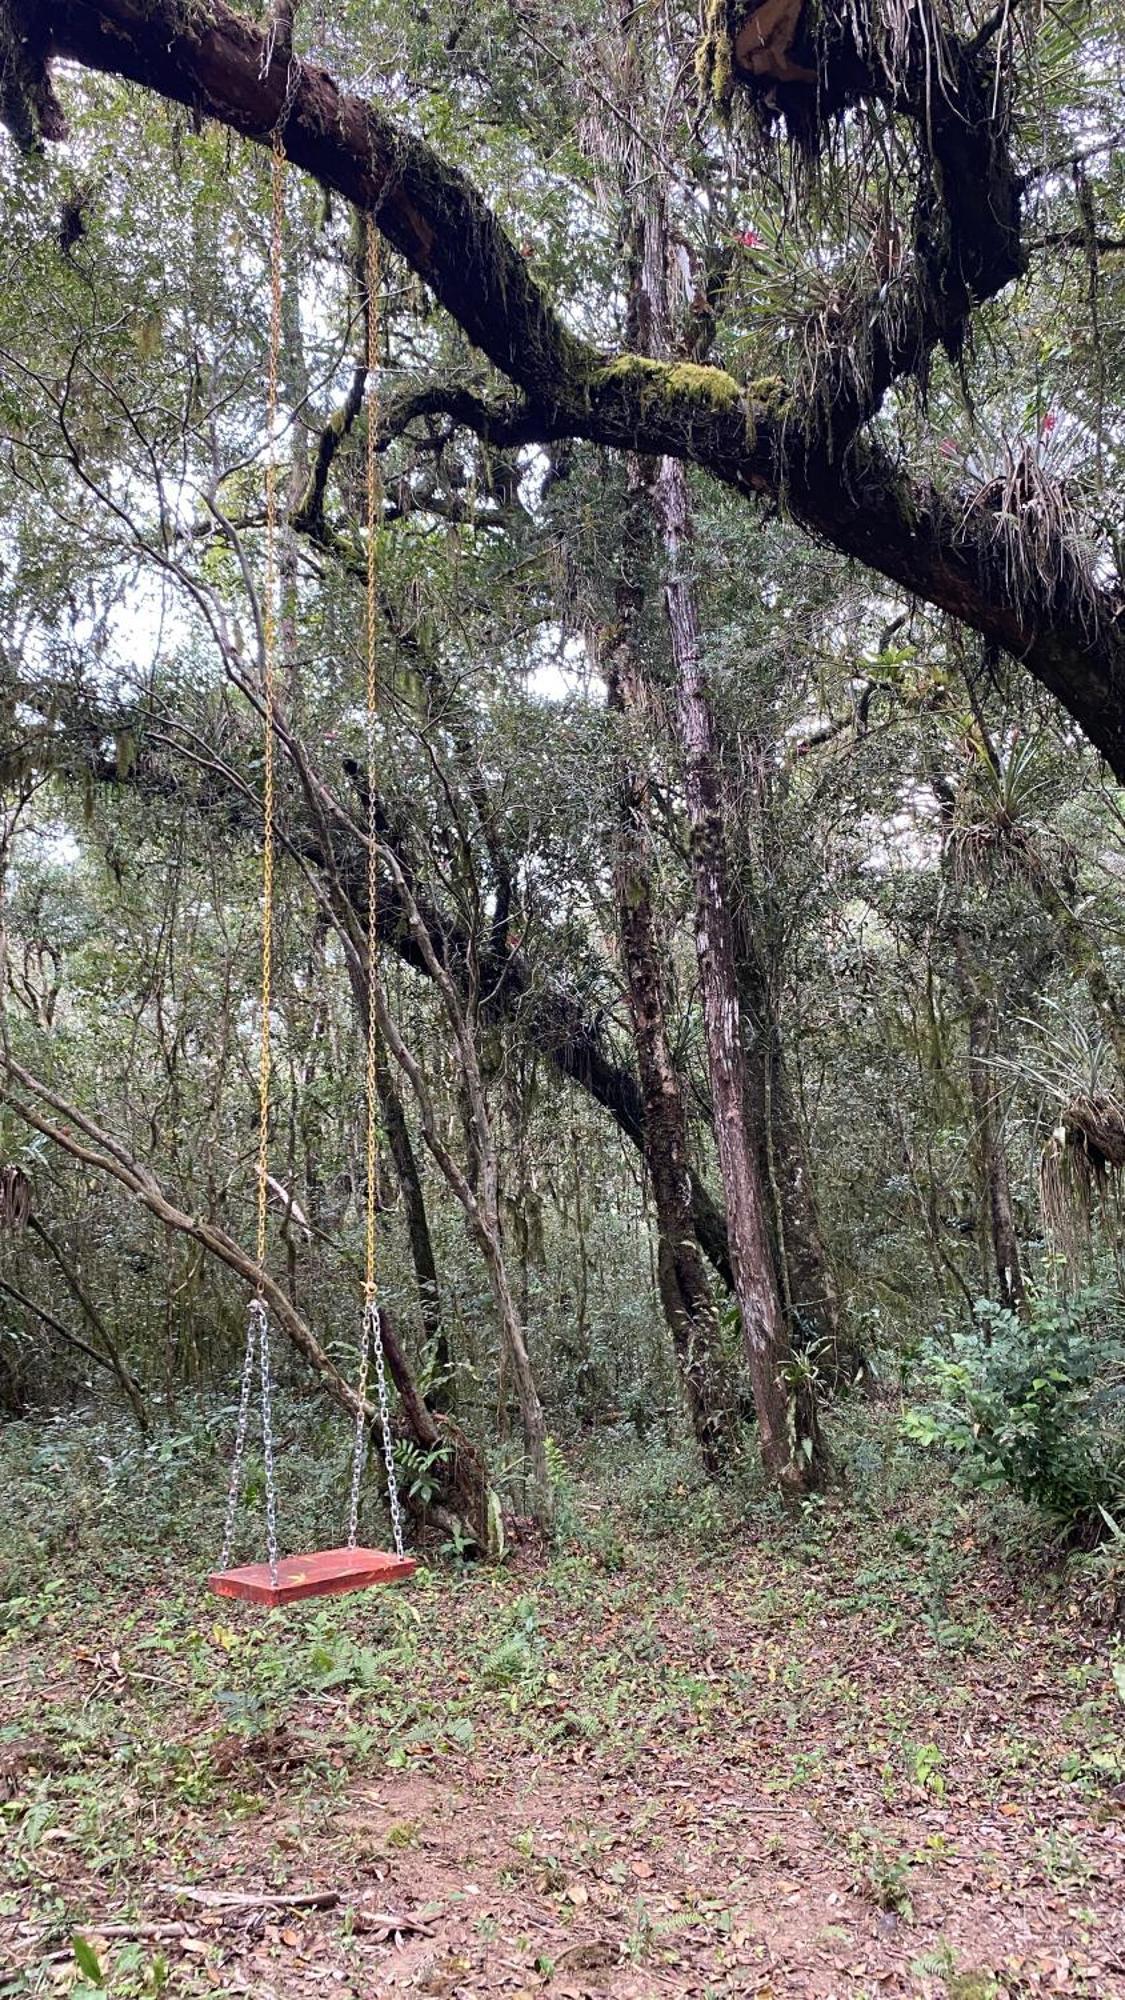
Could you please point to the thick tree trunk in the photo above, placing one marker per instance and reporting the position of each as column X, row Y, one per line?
column 684, row 1291
column 786, row 1419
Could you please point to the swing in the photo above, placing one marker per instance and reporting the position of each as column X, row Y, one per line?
column 323, row 1572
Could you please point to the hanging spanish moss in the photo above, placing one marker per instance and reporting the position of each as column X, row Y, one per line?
column 1080, row 1175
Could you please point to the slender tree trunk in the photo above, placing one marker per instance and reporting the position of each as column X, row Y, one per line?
column 464, row 1496
column 477, row 1186
column 991, row 1156
column 971, row 981
column 485, row 1222
column 49, row 1319
column 783, row 1398
column 786, row 1417
column 582, row 1300
column 127, row 1380
column 685, row 1294
column 806, row 1279
column 442, row 1395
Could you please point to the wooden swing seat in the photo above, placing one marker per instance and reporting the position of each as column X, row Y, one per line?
column 325, row 1573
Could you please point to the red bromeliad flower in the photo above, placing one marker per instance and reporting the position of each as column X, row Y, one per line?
column 1048, row 424
column 749, row 239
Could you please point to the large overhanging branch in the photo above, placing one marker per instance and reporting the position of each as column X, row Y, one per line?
column 1040, row 605
column 220, row 65
column 552, row 1017
column 809, row 65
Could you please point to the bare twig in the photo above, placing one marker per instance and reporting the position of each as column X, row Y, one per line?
column 254, row 1899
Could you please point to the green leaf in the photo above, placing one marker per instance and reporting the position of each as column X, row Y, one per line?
column 86, row 1959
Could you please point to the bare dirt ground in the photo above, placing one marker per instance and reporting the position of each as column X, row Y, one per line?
column 850, row 1758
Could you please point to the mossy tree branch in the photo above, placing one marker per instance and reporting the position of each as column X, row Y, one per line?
column 1069, row 633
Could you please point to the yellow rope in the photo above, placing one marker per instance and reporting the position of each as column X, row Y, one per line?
column 269, row 684
column 374, row 513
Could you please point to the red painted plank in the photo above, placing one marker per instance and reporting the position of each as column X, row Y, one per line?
column 324, row 1573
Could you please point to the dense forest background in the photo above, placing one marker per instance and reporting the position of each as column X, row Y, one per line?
column 659, row 473
column 915, row 851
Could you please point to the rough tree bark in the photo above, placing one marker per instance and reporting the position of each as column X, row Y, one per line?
column 783, row 1399
column 684, row 1291
column 786, row 1418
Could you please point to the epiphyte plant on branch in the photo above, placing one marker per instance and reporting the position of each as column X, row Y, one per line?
column 943, row 89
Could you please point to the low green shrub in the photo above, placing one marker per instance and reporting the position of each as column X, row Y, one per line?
column 1037, row 1406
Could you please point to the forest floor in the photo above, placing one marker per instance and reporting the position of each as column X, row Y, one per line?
column 859, row 1754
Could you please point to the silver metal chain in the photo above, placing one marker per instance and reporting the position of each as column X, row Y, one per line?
column 257, row 1348
column 235, row 1486
column 359, row 1453
column 267, row 1438
column 388, row 1434
column 372, row 1345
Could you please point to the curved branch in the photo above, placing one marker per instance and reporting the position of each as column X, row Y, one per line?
column 1067, row 630
column 78, row 1135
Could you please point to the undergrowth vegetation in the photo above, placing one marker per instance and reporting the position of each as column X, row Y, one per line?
column 1037, row 1406
column 561, row 860
column 663, row 1639
column 1025, row 1415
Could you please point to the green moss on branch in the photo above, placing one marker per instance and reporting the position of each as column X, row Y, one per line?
column 682, row 387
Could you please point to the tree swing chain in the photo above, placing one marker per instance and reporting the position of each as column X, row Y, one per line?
column 371, row 1344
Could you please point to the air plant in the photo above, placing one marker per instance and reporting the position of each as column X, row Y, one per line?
column 1081, row 1165
column 999, row 825
column 1030, row 491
